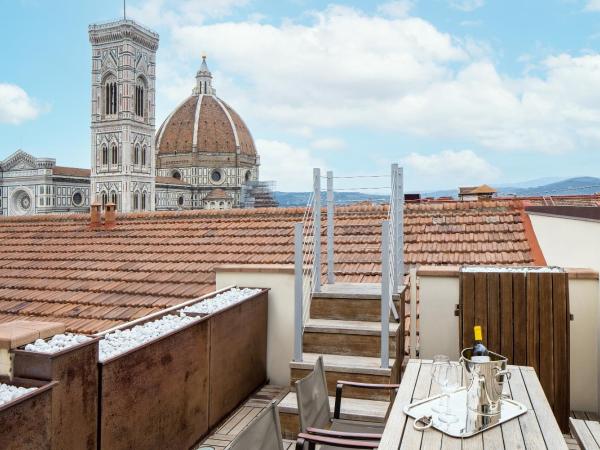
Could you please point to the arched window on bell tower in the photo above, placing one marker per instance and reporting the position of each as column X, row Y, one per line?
column 136, row 155
column 104, row 155
column 109, row 90
column 140, row 94
column 144, row 150
column 114, row 155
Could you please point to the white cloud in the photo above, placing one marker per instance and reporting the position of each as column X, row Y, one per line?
column 350, row 69
column 466, row 5
column 592, row 5
column 398, row 8
column 181, row 12
column 290, row 167
column 15, row 105
column 328, row 144
column 449, row 167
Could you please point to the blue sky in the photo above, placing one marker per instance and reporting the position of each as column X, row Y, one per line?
column 457, row 91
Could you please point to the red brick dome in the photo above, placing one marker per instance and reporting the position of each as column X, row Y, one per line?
column 204, row 123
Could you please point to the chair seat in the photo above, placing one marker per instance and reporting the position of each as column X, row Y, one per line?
column 351, row 426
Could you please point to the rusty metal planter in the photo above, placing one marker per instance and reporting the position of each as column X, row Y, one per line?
column 26, row 422
column 238, row 354
column 156, row 395
column 75, row 399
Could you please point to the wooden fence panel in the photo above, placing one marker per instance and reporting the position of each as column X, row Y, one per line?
column 525, row 317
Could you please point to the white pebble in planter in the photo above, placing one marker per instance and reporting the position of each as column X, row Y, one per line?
column 221, row 301
column 9, row 393
column 121, row 341
column 57, row 343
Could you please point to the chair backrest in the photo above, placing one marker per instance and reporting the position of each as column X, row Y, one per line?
column 313, row 399
column 263, row 433
column 525, row 317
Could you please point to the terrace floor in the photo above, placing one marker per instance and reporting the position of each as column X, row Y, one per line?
column 220, row 438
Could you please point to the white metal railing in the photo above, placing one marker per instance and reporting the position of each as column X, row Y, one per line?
column 307, row 261
column 392, row 258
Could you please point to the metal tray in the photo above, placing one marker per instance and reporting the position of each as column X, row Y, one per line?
column 469, row 423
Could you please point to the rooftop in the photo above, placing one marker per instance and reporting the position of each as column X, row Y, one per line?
column 57, row 267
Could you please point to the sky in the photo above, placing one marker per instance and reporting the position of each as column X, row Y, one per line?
column 458, row 92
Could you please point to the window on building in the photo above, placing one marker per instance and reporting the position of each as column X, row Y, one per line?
column 104, row 199
column 216, row 175
column 136, row 201
column 113, row 199
column 104, row 155
column 144, row 149
column 143, row 201
column 177, row 175
column 110, row 95
column 140, row 89
column 77, row 199
column 114, row 155
column 136, row 154
column 180, row 200
column 248, row 175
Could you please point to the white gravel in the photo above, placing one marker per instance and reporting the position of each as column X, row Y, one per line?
column 8, row 393
column 222, row 300
column 120, row 341
column 57, row 343
column 513, row 269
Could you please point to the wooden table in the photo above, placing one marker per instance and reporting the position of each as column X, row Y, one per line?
column 536, row 429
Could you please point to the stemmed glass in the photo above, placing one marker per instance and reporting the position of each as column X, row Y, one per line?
column 449, row 378
column 439, row 361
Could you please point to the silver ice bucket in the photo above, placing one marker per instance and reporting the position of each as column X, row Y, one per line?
column 485, row 382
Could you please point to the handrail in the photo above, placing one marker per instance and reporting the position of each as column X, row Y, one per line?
column 307, row 262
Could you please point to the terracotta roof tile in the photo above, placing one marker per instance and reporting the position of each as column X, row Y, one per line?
column 56, row 267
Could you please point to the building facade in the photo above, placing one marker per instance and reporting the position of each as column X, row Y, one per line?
column 203, row 155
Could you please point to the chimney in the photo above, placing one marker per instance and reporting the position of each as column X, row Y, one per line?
column 110, row 216
column 96, row 215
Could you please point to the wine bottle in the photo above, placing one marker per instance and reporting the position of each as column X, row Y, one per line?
column 480, row 352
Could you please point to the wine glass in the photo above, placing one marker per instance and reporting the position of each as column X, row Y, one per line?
column 439, row 361
column 450, row 376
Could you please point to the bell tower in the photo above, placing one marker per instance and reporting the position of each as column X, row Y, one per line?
column 123, row 115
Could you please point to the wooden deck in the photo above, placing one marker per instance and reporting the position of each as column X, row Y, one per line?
column 225, row 432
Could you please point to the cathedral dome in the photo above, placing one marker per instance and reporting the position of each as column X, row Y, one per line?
column 204, row 123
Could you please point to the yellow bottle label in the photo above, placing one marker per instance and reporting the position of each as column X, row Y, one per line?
column 478, row 334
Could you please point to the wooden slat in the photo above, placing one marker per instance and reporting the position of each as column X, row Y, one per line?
column 506, row 311
column 582, row 433
column 412, row 438
column 533, row 328
column 594, row 428
column 560, row 305
column 480, row 317
column 392, row 435
column 546, row 373
column 467, row 308
column 530, row 428
column 493, row 322
column 511, row 430
column 520, row 318
column 543, row 410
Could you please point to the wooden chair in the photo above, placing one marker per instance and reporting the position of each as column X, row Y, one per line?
column 315, row 412
column 264, row 433
column 525, row 317
column 586, row 432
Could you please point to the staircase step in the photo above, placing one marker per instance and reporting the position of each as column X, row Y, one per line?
column 352, row 409
column 355, row 338
column 349, row 368
column 345, row 308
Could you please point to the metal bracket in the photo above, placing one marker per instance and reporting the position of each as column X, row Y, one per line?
column 457, row 310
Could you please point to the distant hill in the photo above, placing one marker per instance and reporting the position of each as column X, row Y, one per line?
column 341, row 198
column 570, row 186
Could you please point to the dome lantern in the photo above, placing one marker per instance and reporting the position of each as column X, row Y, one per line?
column 204, row 80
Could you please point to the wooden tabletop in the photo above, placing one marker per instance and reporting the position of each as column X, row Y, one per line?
column 536, row 429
